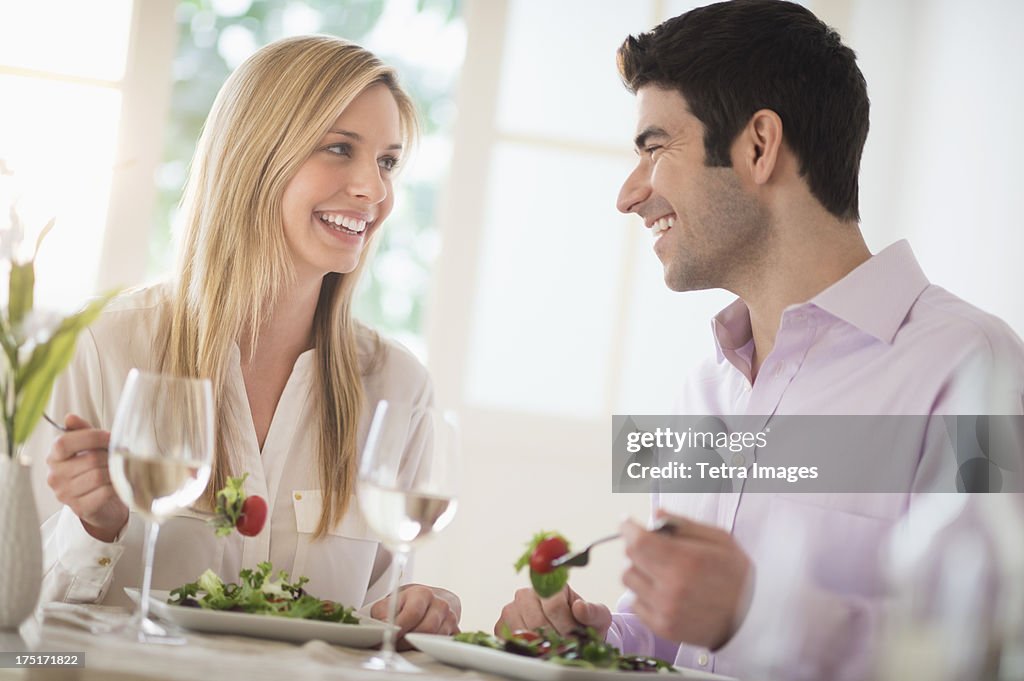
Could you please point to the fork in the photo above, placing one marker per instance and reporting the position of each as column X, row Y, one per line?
column 54, row 423
column 581, row 558
column 204, row 514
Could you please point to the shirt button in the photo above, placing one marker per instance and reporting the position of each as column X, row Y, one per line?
column 739, row 460
column 298, row 497
column 104, row 561
column 702, row 659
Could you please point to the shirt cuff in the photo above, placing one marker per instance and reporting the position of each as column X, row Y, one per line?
column 89, row 560
column 628, row 634
column 632, row 637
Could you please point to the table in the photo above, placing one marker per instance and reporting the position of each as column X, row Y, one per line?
column 207, row 657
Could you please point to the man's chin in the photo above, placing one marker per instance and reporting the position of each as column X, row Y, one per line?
column 680, row 283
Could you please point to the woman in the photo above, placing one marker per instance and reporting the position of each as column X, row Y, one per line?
column 291, row 181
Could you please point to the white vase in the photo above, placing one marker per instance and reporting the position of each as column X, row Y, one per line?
column 21, row 548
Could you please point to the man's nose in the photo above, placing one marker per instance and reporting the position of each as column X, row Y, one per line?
column 635, row 190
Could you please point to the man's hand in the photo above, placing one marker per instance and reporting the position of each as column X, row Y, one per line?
column 422, row 609
column 563, row 612
column 80, row 479
column 691, row 585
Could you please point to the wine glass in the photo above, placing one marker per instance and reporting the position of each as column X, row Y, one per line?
column 407, row 484
column 161, row 449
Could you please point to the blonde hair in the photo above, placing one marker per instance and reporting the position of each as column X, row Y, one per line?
column 267, row 119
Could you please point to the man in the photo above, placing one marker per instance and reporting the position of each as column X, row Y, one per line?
column 752, row 116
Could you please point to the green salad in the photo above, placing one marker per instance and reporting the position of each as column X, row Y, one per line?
column 581, row 648
column 258, row 593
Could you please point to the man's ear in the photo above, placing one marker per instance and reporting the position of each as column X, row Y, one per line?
column 759, row 144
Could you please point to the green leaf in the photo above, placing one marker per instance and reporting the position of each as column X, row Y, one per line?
column 42, row 235
column 34, row 381
column 228, row 507
column 35, row 392
column 306, row 607
column 580, row 648
column 479, row 638
column 549, row 583
column 9, row 344
column 257, row 595
column 211, row 583
column 184, row 591
column 22, row 281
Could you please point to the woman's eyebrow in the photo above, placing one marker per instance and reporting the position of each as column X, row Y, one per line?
column 359, row 138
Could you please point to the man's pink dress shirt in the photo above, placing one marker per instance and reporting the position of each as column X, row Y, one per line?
column 881, row 341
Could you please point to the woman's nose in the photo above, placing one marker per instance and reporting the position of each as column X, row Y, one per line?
column 368, row 184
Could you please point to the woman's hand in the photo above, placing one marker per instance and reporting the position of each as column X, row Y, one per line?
column 80, row 479
column 423, row 609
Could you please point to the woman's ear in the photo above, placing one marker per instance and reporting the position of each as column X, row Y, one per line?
column 759, row 144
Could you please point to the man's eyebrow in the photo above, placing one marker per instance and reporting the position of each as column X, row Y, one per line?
column 359, row 138
column 650, row 131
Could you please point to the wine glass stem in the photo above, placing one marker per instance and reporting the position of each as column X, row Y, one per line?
column 152, row 530
column 401, row 557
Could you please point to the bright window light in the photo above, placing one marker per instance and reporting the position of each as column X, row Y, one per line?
column 68, row 37
column 58, row 133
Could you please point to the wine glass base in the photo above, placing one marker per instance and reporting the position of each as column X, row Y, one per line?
column 157, row 634
column 391, row 663
column 148, row 631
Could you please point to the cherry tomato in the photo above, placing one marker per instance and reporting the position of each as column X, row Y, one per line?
column 547, row 551
column 527, row 643
column 253, row 516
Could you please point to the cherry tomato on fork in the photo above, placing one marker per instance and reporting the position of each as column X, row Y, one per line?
column 546, row 552
column 253, row 516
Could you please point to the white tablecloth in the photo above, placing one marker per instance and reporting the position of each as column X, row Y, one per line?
column 208, row 658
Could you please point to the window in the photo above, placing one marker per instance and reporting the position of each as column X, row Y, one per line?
column 62, row 101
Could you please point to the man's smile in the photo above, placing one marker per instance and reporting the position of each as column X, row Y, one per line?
column 662, row 225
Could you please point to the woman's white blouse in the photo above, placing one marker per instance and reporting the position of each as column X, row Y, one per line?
column 349, row 565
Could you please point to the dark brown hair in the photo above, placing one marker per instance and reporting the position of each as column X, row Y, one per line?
column 732, row 59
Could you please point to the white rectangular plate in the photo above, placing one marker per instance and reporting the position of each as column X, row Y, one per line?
column 471, row 656
column 367, row 633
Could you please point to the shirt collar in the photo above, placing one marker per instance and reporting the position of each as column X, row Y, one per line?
column 732, row 329
column 875, row 298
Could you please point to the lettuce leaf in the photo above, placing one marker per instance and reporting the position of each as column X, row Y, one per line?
column 548, row 584
column 211, row 584
column 580, row 648
column 228, row 507
column 258, row 592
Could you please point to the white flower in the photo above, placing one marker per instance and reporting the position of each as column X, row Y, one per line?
column 11, row 238
column 37, row 328
column 12, row 230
